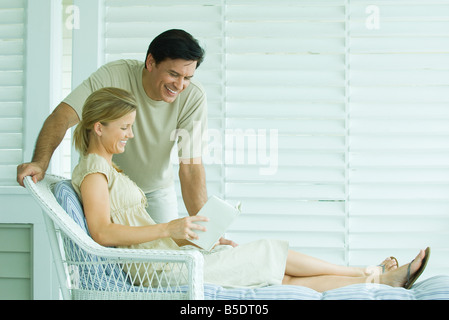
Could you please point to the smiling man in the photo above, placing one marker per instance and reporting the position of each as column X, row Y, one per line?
column 168, row 100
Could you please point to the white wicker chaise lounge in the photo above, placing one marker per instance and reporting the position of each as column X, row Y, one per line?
column 87, row 270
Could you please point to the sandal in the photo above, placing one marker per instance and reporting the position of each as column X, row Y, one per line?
column 412, row 278
column 383, row 265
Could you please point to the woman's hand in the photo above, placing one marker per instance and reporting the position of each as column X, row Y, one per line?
column 184, row 228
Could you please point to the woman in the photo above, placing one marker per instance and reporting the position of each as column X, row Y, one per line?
column 115, row 212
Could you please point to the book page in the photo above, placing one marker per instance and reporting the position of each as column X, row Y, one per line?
column 221, row 214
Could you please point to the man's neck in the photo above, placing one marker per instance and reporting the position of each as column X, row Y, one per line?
column 146, row 80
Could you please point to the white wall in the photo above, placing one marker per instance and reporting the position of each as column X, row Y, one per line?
column 17, row 205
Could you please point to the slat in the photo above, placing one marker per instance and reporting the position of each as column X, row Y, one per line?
column 255, row 61
column 403, row 10
column 406, row 209
column 11, row 125
column 285, row 45
column 12, row 12
column 410, row 44
column 394, row 175
column 251, row 173
column 286, row 191
column 400, row 191
column 289, row 223
column 285, row 93
column 293, row 11
column 294, row 29
column 190, row 13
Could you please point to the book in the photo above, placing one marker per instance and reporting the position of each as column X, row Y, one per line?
column 221, row 214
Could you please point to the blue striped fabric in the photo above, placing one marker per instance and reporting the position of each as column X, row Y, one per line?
column 115, row 278
column 68, row 199
column 435, row 288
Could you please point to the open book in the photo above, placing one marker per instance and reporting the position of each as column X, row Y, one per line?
column 221, row 214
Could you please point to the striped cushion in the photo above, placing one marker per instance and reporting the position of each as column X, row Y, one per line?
column 68, row 199
column 435, row 288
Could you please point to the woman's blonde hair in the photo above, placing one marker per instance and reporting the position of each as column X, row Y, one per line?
column 104, row 105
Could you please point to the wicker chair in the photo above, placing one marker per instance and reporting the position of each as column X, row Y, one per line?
column 87, row 270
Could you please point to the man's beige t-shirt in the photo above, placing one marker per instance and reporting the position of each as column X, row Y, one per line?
column 146, row 159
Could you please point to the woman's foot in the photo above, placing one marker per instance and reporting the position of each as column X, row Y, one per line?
column 389, row 264
column 401, row 276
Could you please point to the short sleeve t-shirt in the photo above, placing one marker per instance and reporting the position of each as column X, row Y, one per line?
column 158, row 124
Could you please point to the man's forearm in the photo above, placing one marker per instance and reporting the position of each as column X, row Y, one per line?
column 193, row 186
column 52, row 133
column 48, row 140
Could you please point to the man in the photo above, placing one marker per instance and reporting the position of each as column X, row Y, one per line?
column 168, row 101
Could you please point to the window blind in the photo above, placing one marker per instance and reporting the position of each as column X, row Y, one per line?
column 329, row 117
column 285, row 73
column 12, row 33
column 398, row 129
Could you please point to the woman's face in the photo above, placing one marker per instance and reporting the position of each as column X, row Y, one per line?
column 116, row 134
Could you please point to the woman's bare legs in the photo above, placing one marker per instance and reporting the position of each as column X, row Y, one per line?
column 299, row 264
column 304, row 265
column 304, row 274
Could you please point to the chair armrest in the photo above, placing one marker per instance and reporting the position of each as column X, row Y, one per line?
column 191, row 260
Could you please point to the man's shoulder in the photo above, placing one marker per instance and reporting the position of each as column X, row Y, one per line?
column 195, row 88
column 197, row 85
column 123, row 64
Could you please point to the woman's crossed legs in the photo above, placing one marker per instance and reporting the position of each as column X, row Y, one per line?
column 321, row 276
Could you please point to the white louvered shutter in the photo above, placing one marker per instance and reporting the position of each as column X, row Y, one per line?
column 331, row 117
column 12, row 48
column 399, row 130
column 285, row 72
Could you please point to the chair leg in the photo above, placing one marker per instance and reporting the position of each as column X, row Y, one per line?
column 57, row 257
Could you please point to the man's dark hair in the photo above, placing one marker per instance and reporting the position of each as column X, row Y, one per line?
column 175, row 44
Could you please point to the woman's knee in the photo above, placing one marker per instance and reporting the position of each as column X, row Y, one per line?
column 287, row 279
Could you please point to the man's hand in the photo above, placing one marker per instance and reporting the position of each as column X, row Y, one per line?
column 32, row 169
column 224, row 241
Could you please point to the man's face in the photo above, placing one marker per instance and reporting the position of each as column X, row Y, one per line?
column 168, row 78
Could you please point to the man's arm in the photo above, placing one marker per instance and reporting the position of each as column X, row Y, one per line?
column 193, row 188
column 51, row 135
column 193, row 184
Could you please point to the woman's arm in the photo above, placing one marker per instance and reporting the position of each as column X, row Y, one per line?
column 95, row 194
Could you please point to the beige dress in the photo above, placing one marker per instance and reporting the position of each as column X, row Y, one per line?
column 248, row 265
